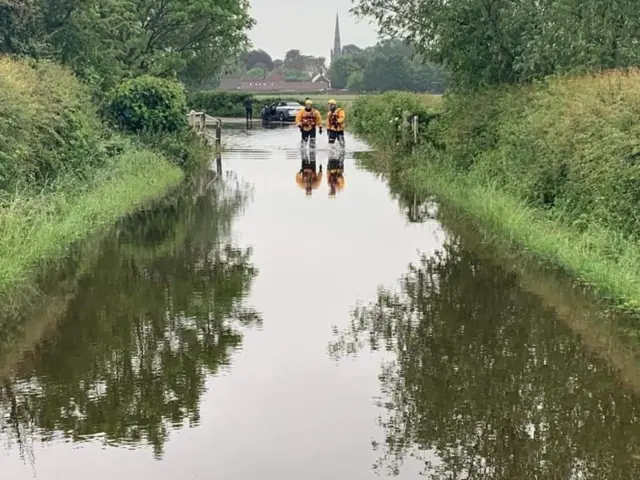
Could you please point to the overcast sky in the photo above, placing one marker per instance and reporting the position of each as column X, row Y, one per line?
column 307, row 26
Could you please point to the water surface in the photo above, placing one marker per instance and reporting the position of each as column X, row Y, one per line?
column 245, row 329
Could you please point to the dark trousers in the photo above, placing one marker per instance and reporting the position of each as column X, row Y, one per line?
column 335, row 135
column 309, row 136
column 249, row 113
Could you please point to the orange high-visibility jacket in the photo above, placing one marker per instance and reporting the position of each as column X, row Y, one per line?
column 335, row 120
column 309, row 120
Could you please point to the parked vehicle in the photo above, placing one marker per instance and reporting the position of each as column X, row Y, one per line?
column 282, row 111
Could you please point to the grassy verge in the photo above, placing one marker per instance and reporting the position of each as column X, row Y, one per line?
column 40, row 228
column 598, row 257
column 549, row 167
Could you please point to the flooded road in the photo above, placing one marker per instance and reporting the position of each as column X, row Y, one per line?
column 252, row 327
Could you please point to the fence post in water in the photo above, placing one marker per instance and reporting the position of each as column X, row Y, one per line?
column 218, row 133
column 219, row 163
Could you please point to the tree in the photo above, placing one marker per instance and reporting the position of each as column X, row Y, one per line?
column 105, row 41
column 256, row 74
column 258, row 58
column 341, row 68
column 351, row 49
column 486, row 42
column 278, row 63
column 356, row 82
column 293, row 60
column 16, row 26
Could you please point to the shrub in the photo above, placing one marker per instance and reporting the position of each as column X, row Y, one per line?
column 184, row 148
column 148, row 104
column 386, row 117
column 48, row 124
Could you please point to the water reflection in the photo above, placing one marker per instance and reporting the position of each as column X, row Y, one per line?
column 488, row 383
column 415, row 208
column 158, row 313
column 309, row 177
column 335, row 169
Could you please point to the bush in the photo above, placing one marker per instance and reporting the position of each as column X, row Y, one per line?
column 184, row 148
column 48, row 124
column 386, row 117
column 148, row 104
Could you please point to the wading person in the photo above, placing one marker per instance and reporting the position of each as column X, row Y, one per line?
column 307, row 120
column 248, row 109
column 335, row 123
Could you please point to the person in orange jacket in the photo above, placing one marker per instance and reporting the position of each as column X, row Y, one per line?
column 307, row 120
column 309, row 178
column 335, row 123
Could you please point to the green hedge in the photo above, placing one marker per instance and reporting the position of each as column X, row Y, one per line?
column 231, row 104
column 148, row 104
column 48, row 124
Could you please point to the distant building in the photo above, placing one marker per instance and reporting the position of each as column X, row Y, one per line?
column 336, row 51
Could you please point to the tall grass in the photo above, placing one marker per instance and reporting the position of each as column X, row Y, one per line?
column 40, row 228
column 551, row 167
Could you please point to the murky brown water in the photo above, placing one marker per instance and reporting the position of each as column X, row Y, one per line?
column 237, row 331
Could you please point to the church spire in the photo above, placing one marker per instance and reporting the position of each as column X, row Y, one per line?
column 337, row 46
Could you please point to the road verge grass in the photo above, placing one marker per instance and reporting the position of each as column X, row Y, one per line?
column 36, row 230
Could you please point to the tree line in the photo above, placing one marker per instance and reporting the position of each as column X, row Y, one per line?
column 389, row 65
column 256, row 64
column 490, row 42
column 106, row 41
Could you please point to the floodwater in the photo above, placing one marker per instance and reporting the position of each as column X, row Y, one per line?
column 247, row 328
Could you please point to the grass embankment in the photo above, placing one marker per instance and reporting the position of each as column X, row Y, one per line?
column 231, row 104
column 63, row 175
column 550, row 167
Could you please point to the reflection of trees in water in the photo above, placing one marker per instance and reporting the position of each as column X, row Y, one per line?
column 490, row 381
column 159, row 312
column 416, row 208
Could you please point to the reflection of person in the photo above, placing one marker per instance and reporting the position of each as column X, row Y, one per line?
column 335, row 123
column 309, row 178
column 335, row 171
column 307, row 119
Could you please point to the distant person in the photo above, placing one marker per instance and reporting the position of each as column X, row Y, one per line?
column 335, row 123
column 248, row 108
column 307, row 119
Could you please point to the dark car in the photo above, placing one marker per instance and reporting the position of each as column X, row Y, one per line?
column 281, row 111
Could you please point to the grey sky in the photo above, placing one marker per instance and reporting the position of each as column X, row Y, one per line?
column 307, row 26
